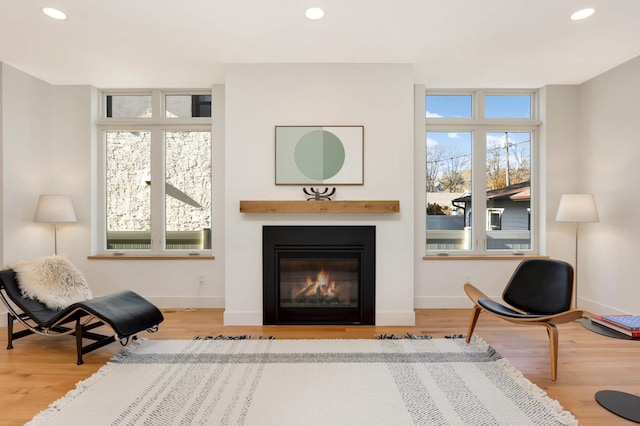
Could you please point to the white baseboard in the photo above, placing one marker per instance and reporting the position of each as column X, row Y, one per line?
column 447, row 302
column 242, row 318
column 187, row 302
column 401, row 318
column 598, row 308
column 382, row 318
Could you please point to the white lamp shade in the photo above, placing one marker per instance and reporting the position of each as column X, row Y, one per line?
column 577, row 208
column 55, row 209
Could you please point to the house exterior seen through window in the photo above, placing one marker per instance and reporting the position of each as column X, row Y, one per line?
column 480, row 180
column 156, row 179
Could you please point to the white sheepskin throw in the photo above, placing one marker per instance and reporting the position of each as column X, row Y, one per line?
column 53, row 281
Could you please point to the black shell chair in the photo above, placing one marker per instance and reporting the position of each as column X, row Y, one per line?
column 125, row 312
column 539, row 292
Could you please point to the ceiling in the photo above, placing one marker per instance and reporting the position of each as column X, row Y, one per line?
column 186, row 44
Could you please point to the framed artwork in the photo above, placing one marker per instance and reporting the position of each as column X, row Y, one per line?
column 319, row 155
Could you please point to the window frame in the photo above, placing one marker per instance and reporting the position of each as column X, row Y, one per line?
column 157, row 125
column 479, row 127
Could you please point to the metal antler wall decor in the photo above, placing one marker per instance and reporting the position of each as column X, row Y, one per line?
column 316, row 195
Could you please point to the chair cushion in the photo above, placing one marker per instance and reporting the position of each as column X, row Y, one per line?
column 540, row 286
column 500, row 309
column 126, row 312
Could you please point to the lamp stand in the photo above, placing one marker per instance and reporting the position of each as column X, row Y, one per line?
column 55, row 239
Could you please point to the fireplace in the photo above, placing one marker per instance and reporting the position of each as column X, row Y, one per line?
column 318, row 275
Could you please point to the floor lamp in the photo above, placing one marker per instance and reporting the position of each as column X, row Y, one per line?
column 55, row 209
column 581, row 208
column 577, row 208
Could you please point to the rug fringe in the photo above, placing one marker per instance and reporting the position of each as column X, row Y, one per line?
column 405, row 336
column 43, row 417
column 564, row 416
column 240, row 337
column 553, row 405
column 127, row 351
column 456, row 336
column 479, row 343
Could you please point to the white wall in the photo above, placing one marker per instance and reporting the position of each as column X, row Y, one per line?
column 609, row 153
column 26, row 116
column 379, row 97
column 559, row 166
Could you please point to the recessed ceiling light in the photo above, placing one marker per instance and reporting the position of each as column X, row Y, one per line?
column 582, row 14
column 314, row 13
column 54, row 13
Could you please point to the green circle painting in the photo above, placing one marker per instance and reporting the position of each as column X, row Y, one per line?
column 319, row 155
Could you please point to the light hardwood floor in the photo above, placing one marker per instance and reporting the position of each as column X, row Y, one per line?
column 40, row 370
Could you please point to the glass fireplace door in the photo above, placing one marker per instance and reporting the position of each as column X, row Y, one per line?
column 319, row 280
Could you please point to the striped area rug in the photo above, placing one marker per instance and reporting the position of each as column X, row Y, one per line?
column 307, row 382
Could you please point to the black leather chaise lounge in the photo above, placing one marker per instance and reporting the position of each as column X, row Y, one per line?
column 126, row 312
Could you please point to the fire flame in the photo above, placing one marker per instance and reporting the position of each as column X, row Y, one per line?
column 322, row 286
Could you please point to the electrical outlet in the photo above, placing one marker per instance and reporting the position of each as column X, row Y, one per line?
column 467, row 279
column 201, row 280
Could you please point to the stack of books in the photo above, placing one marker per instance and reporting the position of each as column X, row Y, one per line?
column 625, row 324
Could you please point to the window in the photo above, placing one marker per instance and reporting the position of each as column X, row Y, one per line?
column 449, row 106
column 494, row 219
column 128, row 106
column 508, row 106
column 156, row 171
column 480, row 142
column 187, row 106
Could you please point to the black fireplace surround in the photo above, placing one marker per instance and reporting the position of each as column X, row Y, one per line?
column 318, row 275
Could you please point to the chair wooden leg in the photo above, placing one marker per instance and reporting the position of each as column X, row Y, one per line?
column 474, row 320
column 552, row 331
column 10, row 320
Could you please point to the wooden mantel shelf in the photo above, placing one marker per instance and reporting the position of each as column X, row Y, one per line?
column 364, row 206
